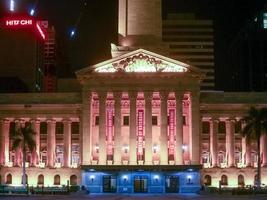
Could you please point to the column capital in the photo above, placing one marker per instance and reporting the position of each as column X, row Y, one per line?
column 179, row 95
column 148, row 96
column 132, row 94
column 36, row 121
column 102, row 95
column 163, row 95
column 67, row 121
column 4, row 120
column 117, row 95
column 214, row 120
column 52, row 121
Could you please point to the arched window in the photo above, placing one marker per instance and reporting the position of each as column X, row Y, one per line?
column 9, row 179
column 26, row 179
column 241, row 180
column 207, row 180
column 40, row 179
column 224, row 180
column 73, row 180
column 56, row 180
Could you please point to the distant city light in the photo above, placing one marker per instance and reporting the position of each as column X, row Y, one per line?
column 32, row 12
column 12, row 5
column 72, row 33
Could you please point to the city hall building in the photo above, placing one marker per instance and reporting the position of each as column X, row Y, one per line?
column 139, row 123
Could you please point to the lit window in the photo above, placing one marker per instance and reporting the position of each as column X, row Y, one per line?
column 154, row 120
column 265, row 20
column 125, row 120
column 96, row 120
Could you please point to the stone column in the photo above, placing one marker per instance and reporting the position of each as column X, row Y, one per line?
column 102, row 128
column 195, row 129
column 4, row 137
column 36, row 153
column 214, row 141
column 132, row 149
column 18, row 153
column 51, row 142
column 117, row 128
column 86, row 150
column 148, row 127
column 179, row 128
column 67, row 142
column 164, row 127
column 230, row 129
column 264, row 150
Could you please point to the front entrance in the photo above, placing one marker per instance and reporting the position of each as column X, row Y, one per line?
column 172, row 184
column 109, row 184
column 140, row 184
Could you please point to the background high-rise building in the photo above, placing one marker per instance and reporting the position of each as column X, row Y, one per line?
column 191, row 40
column 247, row 55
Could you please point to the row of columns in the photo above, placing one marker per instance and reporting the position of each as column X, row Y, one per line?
column 51, row 142
column 230, row 144
column 148, row 95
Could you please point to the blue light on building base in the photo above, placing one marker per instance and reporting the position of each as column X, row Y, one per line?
column 150, row 182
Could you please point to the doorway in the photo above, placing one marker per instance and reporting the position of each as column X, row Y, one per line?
column 140, row 184
column 172, row 184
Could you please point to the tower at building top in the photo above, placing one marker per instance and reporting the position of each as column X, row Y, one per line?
column 140, row 22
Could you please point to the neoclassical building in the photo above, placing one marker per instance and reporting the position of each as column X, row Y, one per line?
column 139, row 123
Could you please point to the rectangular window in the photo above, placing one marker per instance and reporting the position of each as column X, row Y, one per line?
column 43, row 128
column 154, row 120
column 96, row 120
column 265, row 20
column 184, row 120
column 205, row 127
column 59, row 128
column 238, row 127
column 75, row 128
column 221, row 127
column 126, row 120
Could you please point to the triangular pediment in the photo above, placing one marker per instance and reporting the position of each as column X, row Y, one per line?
column 140, row 61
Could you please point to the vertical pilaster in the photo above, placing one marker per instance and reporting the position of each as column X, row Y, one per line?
column 86, row 152
column 36, row 152
column 18, row 153
column 214, row 141
column 230, row 129
column 51, row 142
column 264, row 150
column 4, row 136
column 195, row 129
column 117, row 127
column 67, row 142
column 148, row 127
column 164, row 127
column 179, row 128
column 132, row 149
column 102, row 128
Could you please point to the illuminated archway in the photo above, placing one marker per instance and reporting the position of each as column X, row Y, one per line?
column 9, row 179
column 73, row 180
column 40, row 179
column 224, row 180
column 57, row 180
column 207, row 180
column 241, row 180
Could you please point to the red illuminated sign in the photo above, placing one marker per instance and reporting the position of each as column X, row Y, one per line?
column 20, row 22
column 140, row 132
column 171, row 131
column 24, row 22
column 109, row 131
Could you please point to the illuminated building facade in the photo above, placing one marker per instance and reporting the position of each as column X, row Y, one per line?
column 140, row 124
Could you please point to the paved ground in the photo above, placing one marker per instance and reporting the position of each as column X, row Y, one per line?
column 136, row 197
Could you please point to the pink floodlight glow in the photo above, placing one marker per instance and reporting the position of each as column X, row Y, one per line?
column 40, row 31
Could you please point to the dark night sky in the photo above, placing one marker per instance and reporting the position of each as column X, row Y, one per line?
column 97, row 27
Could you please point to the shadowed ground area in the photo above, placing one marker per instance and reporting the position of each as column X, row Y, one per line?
column 134, row 197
